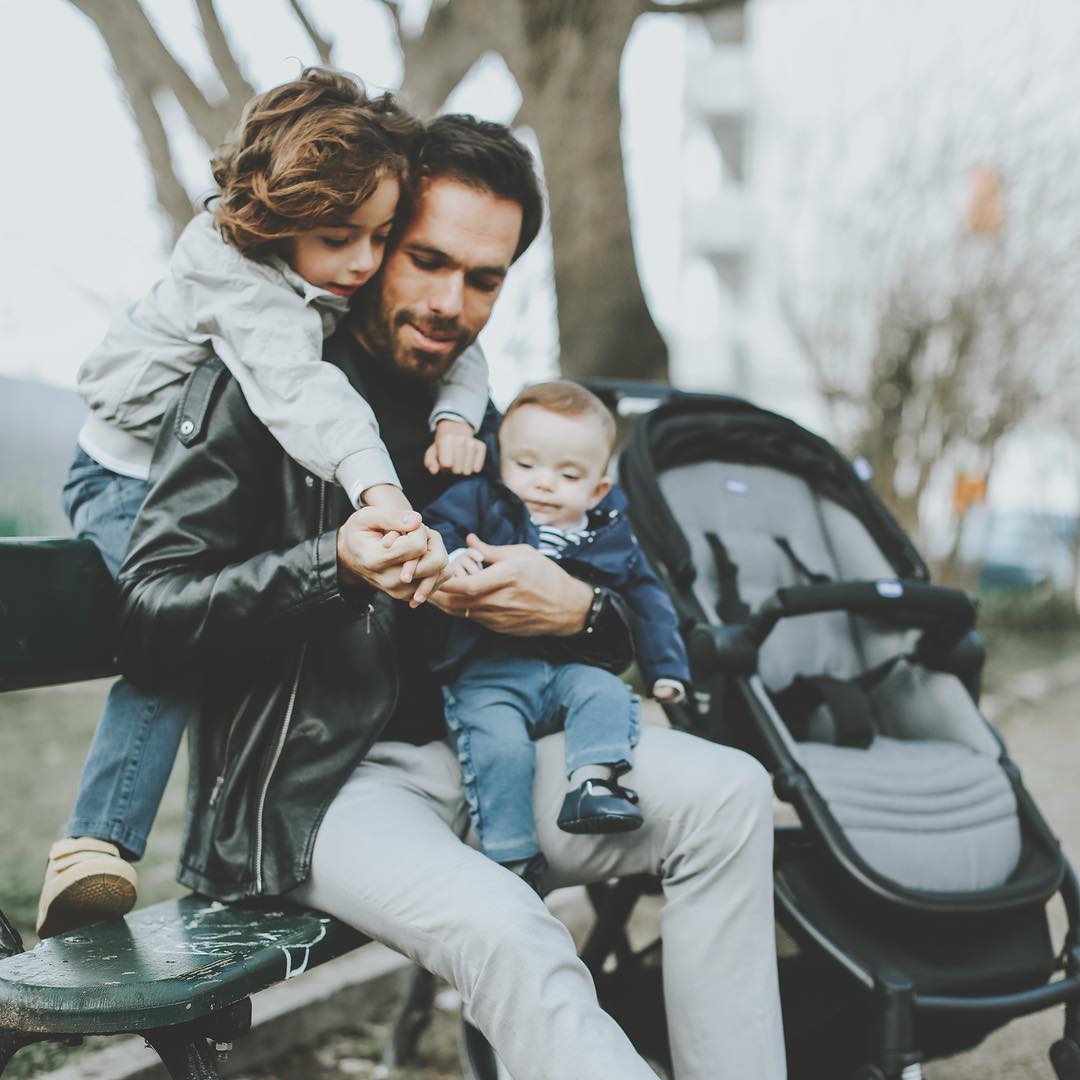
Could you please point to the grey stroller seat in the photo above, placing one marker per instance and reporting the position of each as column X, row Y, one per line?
column 923, row 799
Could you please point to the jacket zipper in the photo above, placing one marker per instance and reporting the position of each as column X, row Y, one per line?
column 219, row 782
column 283, row 733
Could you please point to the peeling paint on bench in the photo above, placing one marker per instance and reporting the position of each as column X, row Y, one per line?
column 172, row 962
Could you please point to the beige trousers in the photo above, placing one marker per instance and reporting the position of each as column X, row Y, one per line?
column 388, row 860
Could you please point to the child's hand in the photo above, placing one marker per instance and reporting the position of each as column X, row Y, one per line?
column 455, row 449
column 427, row 585
column 668, row 691
column 386, row 497
column 392, row 498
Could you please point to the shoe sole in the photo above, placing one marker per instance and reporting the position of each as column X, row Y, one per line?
column 606, row 824
column 92, row 899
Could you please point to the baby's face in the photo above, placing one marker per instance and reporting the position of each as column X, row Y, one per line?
column 554, row 463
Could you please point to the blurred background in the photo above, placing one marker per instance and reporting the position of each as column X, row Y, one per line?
column 863, row 215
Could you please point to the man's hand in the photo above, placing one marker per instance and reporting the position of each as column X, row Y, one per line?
column 456, row 449
column 363, row 555
column 519, row 592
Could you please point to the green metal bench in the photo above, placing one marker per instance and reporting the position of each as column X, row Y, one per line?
column 179, row 973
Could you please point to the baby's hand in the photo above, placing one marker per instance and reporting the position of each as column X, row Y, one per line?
column 668, row 691
column 455, row 449
column 464, row 562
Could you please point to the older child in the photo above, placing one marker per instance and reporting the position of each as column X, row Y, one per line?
column 307, row 200
column 502, row 692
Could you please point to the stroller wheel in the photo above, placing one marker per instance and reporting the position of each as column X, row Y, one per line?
column 1065, row 1057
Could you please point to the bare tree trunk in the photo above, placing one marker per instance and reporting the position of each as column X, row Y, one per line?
column 565, row 57
column 569, row 77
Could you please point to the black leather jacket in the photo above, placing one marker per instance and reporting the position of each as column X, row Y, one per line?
column 231, row 582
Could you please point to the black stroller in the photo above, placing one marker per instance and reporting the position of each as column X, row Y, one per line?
column 916, row 872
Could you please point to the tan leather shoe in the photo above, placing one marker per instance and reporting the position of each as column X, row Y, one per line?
column 86, row 882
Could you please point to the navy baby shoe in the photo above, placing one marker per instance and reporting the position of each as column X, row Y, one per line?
column 600, row 806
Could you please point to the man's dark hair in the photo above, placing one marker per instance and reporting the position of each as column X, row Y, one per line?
column 485, row 156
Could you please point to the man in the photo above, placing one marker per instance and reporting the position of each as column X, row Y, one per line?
column 318, row 774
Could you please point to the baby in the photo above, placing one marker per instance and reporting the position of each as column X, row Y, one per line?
column 501, row 692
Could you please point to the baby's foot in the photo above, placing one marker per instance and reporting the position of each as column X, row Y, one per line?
column 600, row 806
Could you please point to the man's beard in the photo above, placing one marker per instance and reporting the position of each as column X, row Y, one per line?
column 380, row 327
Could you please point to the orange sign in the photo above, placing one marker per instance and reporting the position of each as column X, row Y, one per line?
column 968, row 489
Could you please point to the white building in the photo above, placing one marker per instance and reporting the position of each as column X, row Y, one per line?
column 710, row 349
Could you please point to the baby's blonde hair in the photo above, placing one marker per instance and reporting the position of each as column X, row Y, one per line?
column 569, row 399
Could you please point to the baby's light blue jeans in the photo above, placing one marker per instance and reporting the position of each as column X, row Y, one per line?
column 139, row 733
column 499, row 703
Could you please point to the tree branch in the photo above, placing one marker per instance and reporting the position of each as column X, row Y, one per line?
column 171, row 194
column 323, row 46
column 217, row 44
column 454, row 38
column 395, row 13
column 145, row 64
column 689, row 7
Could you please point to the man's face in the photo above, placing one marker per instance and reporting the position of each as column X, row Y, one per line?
column 440, row 282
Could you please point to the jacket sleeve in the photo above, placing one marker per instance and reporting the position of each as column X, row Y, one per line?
column 459, row 511
column 463, row 390
column 654, row 625
column 199, row 589
column 271, row 340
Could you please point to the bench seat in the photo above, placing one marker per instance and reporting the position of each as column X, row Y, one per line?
column 172, row 963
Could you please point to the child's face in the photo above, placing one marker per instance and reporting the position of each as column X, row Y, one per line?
column 554, row 463
column 341, row 258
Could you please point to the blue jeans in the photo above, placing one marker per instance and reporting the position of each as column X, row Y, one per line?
column 499, row 703
column 138, row 735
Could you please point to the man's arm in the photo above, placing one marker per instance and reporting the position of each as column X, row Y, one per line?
column 200, row 591
column 525, row 594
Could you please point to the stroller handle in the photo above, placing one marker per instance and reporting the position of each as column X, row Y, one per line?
column 947, row 614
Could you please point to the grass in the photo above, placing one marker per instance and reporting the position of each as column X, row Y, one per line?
column 1025, row 630
column 1011, row 652
column 44, row 736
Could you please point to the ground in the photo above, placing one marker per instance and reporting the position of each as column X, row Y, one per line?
column 43, row 739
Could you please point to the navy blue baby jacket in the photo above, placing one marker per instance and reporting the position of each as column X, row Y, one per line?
column 609, row 556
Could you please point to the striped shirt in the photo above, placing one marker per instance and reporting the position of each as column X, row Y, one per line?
column 553, row 540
